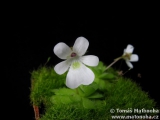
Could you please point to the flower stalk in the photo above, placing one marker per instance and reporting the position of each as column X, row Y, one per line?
column 115, row 60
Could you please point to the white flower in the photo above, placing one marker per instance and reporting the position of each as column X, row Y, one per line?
column 129, row 57
column 74, row 61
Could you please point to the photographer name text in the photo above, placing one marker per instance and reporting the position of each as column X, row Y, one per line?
column 136, row 110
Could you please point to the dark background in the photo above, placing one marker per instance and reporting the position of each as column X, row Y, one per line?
column 30, row 38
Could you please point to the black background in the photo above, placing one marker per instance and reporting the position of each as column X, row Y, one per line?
column 30, row 38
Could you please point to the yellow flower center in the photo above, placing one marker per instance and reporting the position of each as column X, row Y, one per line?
column 76, row 65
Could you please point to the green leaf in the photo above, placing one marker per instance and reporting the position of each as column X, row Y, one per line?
column 56, row 99
column 102, row 85
column 88, row 103
column 64, row 91
column 76, row 98
column 105, row 85
column 89, row 89
column 80, row 92
column 100, row 104
column 61, row 99
column 66, row 99
column 101, row 66
column 99, row 69
column 107, row 76
column 96, row 95
column 65, row 96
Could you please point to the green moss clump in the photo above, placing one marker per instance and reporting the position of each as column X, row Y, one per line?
column 43, row 81
column 92, row 102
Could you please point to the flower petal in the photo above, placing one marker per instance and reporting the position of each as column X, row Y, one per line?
column 62, row 50
column 129, row 64
column 78, row 76
column 129, row 49
column 134, row 58
column 124, row 51
column 62, row 67
column 90, row 60
column 80, row 46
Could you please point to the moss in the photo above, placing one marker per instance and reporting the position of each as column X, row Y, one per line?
column 108, row 91
column 43, row 81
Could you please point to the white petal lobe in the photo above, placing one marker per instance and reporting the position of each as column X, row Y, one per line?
column 61, row 67
column 134, row 58
column 81, row 75
column 62, row 50
column 129, row 49
column 80, row 46
column 129, row 64
column 90, row 60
